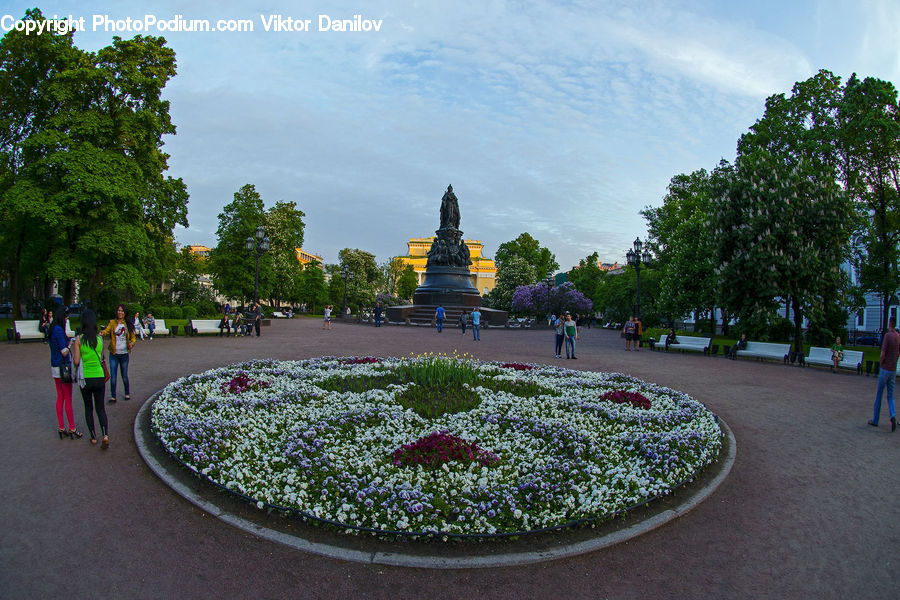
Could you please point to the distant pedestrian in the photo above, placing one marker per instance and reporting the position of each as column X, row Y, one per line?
column 890, row 351
column 837, row 353
column 476, row 325
column 628, row 330
column 88, row 351
column 439, row 318
column 571, row 333
column 45, row 324
column 326, row 324
column 377, row 314
column 463, row 322
column 638, row 333
column 256, row 315
column 138, row 325
column 559, row 325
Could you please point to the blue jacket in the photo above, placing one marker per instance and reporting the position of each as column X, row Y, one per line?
column 58, row 341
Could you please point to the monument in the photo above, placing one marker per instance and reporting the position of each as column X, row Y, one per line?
column 448, row 281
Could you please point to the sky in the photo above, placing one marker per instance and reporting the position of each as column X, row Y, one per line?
column 560, row 119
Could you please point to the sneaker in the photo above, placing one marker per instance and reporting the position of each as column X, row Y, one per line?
column 873, row 423
column 893, row 424
column 111, row 400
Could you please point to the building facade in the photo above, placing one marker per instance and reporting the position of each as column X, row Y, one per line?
column 483, row 270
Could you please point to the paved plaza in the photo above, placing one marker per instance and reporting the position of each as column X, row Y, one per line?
column 811, row 508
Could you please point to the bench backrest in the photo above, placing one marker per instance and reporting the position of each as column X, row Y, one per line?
column 852, row 357
column 817, row 353
column 28, row 326
column 689, row 340
column 768, row 347
column 160, row 324
column 205, row 323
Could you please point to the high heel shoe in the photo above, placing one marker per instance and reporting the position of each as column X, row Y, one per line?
column 62, row 433
column 74, row 433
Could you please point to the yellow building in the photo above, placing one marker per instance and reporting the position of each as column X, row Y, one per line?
column 308, row 257
column 199, row 250
column 484, row 272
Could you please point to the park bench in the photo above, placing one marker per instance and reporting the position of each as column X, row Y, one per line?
column 160, row 329
column 200, row 326
column 853, row 359
column 685, row 342
column 768, row 350
column 27, row 330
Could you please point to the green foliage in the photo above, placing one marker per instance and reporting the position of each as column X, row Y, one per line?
column 189, row 312
column 133, row 307
column 530, row 250
column 285, row 227
column 232, row 266
column 174, row 312
column 587, row 276
column 81, row 164
column 363, row 284
column 516, row 272
column 407, row 283
column 313, row 292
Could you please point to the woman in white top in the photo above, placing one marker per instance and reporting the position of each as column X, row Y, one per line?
column 327, row 323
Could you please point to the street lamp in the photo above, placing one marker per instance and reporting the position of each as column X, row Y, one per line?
column 261, row 245
column 636, row 258
column 346, row 274
column 549, row 287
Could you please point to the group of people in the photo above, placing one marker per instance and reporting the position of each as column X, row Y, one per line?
column 566, row 329
column 234, row 322
column 463, row 321
column 632, row 332
column 82, row 360
column 148, row 323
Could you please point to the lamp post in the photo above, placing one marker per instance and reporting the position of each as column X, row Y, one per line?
column 346, row 274
column 549, row 287
column 261, row 244
column 636, row 257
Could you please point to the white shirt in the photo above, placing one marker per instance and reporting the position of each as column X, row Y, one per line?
column 121, row 333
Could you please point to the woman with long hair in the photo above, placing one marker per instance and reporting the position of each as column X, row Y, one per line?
column 121, row 340
column 59, row 356
column 88, row 352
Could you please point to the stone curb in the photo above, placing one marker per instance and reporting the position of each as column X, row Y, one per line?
column 143, row 438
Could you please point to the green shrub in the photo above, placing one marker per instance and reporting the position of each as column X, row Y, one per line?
column 189, row 312
column 134, row 307
column 158, row 311
column 174, row 312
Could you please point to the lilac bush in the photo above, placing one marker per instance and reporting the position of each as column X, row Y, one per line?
column 532, row 299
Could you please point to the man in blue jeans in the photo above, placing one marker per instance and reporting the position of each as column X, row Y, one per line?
column 890, row 351
column 439, row 318
column 476, row 324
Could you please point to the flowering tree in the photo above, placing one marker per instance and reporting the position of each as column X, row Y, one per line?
column 533, row 299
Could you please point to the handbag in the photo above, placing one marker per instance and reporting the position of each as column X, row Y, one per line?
column 65, row 371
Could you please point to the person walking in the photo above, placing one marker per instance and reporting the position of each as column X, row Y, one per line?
column 326, row 324
column 439, row 318
column 463, row 322
column 121, row 340
column 559, row 325
column 571, row 333
column 628, row 330
column 890, row 351
column 476, row 325
column 60, row 357
column 377, row 313
column 256, row 311
column 88, row 352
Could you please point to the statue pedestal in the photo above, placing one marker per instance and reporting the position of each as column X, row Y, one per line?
column 447, row 286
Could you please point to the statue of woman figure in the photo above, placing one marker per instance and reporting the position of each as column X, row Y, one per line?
column 449, row 209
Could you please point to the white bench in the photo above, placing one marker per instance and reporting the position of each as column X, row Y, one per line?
column 685, row 342
column 769, row 350
column 853, row 359
column 28, row 330
column 200, row 326
column 160, row 329
column 279, row 315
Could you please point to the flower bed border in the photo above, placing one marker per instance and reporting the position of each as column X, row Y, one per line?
column 304, row 516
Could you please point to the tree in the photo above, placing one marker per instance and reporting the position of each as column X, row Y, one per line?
column 536, row 299
column 530, row 250
column 783, row 226
column 391, row 270
column 284, row 226
column 232, row 266
column 314, row 292
column 516, row 272
column 680, row 236
column 361, row 289
column 870, row 130
column 81, row 162
column 407, row 283
column 586, row 276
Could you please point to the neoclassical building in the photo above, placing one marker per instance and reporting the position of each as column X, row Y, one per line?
column 484, row 272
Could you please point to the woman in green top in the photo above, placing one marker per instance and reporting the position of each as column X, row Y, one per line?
column 571, row 332
column 837, row 352
column 89, row 354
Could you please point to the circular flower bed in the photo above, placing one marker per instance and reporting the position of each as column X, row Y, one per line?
column 435, row 445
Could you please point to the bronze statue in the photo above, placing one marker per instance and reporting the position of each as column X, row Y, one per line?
column 449, row 209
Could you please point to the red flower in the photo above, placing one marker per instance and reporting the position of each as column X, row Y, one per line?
column 622, row 397
column 441, row 447
column 517, row 366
